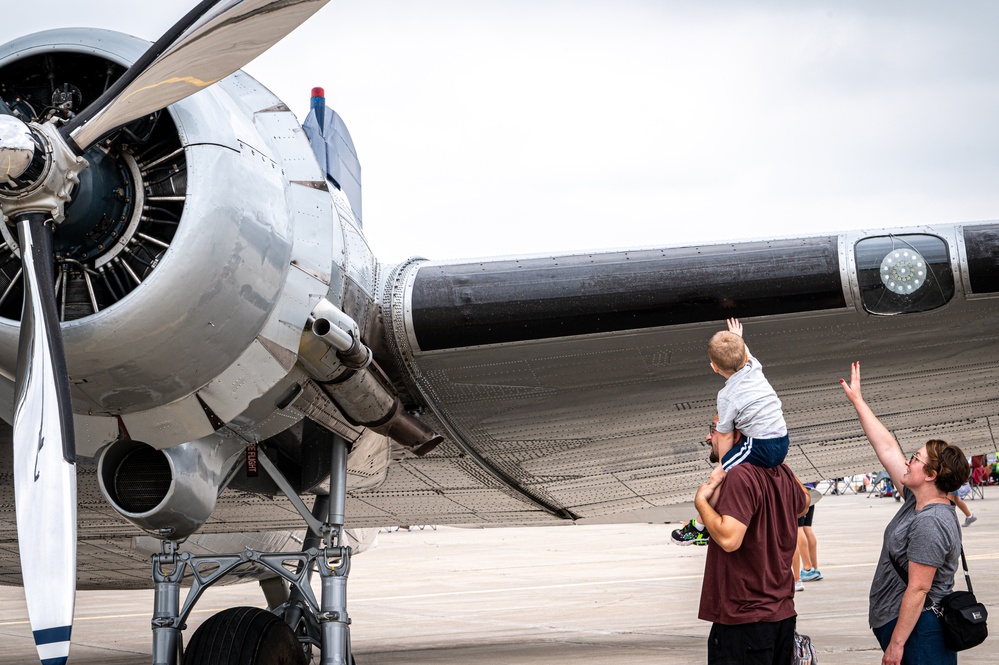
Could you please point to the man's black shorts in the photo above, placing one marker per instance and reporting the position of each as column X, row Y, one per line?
column 806, row 519
column 761, row 643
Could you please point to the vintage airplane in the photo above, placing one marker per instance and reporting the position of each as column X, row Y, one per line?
column 195, row 335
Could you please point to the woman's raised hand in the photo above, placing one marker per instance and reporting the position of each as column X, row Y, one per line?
column 852, row 389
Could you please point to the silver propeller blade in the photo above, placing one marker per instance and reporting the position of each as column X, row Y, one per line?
column 208, row 44
column 44, row 452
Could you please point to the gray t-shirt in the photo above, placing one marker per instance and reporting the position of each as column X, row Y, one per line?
column 747, row 402
column 930, row 536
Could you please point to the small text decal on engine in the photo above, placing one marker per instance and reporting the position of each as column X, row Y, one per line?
column 251, row 461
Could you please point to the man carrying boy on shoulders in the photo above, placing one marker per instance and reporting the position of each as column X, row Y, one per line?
column 748, row 589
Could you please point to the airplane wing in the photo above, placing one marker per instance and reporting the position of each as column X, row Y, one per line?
column 581, row 382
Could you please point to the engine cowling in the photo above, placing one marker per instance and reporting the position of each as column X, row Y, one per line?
column 194, row 250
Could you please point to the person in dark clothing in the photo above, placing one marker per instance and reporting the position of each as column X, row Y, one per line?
column 748, row 589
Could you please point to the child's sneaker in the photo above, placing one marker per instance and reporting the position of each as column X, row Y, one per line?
column 798, row 586
column 969, row 520
column 689, row 535
column 813, row 575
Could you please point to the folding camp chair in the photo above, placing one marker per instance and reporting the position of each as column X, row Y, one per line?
column 881, row 485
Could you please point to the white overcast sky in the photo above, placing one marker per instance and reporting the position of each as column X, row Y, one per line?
column 512, row 127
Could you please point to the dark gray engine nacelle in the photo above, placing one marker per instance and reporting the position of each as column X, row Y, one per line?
column 168, row 492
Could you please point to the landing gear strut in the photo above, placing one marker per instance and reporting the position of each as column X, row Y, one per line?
column 310, row 623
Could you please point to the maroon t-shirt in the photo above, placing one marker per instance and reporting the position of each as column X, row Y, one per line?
column 754, row 583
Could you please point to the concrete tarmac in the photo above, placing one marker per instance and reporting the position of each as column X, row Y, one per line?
column 549, row 595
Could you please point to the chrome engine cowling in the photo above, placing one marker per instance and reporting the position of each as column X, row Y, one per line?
column 195, row 248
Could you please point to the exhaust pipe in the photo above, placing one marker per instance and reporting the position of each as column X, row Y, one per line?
column 331, row 325
column 340, row 363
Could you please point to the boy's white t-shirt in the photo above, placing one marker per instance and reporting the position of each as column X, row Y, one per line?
column 748, row 403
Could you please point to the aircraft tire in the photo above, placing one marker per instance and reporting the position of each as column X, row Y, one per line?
column 244, row 636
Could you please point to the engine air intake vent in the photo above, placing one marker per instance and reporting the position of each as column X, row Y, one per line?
column 142, row 479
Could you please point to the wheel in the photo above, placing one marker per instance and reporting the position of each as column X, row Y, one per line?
column 244, row 636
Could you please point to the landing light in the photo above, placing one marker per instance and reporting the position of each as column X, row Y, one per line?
column 901, row 271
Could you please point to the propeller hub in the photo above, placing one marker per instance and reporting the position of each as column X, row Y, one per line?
column 52, row 172
column 17, row 149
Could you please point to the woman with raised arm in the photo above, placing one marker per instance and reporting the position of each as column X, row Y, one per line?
column 923, row 539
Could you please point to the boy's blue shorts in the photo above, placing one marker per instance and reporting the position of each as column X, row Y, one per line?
column 767, row 453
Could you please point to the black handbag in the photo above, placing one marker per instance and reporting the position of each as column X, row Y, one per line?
column 962, row 617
